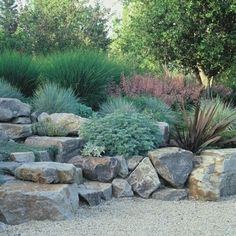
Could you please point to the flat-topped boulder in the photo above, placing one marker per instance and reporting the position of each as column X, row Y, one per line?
column 9, row 167
column 215, row 177
column 69, row 121
column 11, row 108
column 68, row 147
column 102, row 169
column 25, row 201
column 22, row 157
column 94, row 192
column 16, row 131
column 144, row 179
column 47, row 172
column 173, row 164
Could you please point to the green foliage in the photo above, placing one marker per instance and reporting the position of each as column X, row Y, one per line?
column 45, row 26
column 20, row 71
column 84, row 111
column 195, row 35
column 201, row 130
column 93, row 150
column 8, row 91
column 155, row 108
column 123, row 134
column 51, row 98
column 47, row 128
column 117, row 104
column 87, row 72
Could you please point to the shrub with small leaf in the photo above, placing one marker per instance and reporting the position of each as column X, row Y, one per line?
column 47, row 128
column 90, row 149
column 123, row 133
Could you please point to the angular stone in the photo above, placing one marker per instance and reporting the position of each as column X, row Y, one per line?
column 144, row 179
column 9, row 167
column 67, row 147
column 69, row 121
column 21, row 120
column 134, row 161
column 121, row 188
column 173, row 164
column 123, row 166
column 79, row 176
column 165, row 131
column 93, row 192
column 2, row 227
column 47, row 172
column 102, row 169
column 25, row 201
column 43, row 156
column 215, row 177
column 170, row 194
column 22, row 157
column 11, row 108
column 16, row 131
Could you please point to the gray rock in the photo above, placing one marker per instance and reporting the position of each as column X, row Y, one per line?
column 134, row 161
column 43, row 156
column 173, row 164
column 47, row 172
column 34, row 116
column 25, row 201
column 21, row 120
column 165, row 131
column 16, row 131
column 3, row 136
column 9, row 167
column 144, row 179
column 69, row 121
column 102, row 169
column 11, row 108
column 93, row 192
column 123, row 166
column 4, row 156
column 22, row 157
column 79, row 176
column 6, row 178
column 2, row 227
column 170, row 194
column 67, row 147
column 215, row 177
column 121, row 188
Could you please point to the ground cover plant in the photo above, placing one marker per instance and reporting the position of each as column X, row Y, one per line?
column 123, row 133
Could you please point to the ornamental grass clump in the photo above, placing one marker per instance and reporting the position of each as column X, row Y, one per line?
column 8, row 91
column 123, row 133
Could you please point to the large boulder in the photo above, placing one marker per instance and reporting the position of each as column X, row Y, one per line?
column 124, row 171
column 172, row 164
column 68, row 147
column 47, row 172
column 121, row 188
column 16, row 131
column 102, row 169
column 144, row 179
column 25, row 201
column 170, row 194
column 216, row 175
column 9, row 167
column 11, row 108
column 22, row 157
column 69, row 121
column 93, row 192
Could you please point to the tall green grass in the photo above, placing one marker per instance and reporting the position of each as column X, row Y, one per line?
column 20, row 70
column 87, row 72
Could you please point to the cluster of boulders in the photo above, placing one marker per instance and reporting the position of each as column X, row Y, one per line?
column 35, row 188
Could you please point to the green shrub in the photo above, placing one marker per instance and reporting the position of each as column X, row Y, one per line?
column 117, row 104
column 8, row 91
column 47, row 128
column 87, row 72
column 123, row 133
column 84, row 111
column 93, row 150
column 52, row 99
column 20, row 71
column 155, row 108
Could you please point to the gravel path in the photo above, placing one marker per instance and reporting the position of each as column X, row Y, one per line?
column 138, row 217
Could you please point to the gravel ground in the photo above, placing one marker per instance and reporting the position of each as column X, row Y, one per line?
column 138, row 217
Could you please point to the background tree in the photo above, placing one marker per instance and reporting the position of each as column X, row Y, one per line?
column 197, row 36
